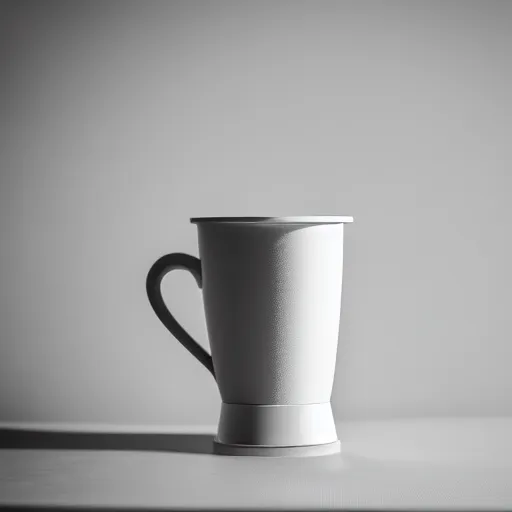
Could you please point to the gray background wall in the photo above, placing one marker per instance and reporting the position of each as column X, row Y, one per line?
column 120, row 120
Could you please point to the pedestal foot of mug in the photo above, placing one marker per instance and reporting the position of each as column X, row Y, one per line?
column 276, row 425
column 276, row 451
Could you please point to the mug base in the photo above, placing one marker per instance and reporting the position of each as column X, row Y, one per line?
column 276, row 451
column 276, row 426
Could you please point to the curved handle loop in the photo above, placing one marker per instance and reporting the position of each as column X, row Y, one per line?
column 157, row 272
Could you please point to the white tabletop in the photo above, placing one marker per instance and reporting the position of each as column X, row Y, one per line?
column 409, row 464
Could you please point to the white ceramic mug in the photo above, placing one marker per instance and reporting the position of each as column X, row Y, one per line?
column 272, row 297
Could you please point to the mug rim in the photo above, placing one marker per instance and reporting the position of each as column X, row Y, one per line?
column 310, row 219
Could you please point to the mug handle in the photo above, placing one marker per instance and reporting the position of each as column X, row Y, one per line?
column 155, row 275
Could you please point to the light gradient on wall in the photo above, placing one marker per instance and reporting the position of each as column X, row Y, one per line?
column 120, row 120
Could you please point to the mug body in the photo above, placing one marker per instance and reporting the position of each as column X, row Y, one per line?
column 272, row 297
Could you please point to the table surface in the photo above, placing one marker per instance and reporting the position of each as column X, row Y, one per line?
column 463, row 464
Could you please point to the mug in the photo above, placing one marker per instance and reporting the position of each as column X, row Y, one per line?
column 272, row 299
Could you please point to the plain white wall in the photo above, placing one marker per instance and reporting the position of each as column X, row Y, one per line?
column 121, row 120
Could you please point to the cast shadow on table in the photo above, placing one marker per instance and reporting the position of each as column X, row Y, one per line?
column 172, row 509
column 44, row 508
column 11, row 438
